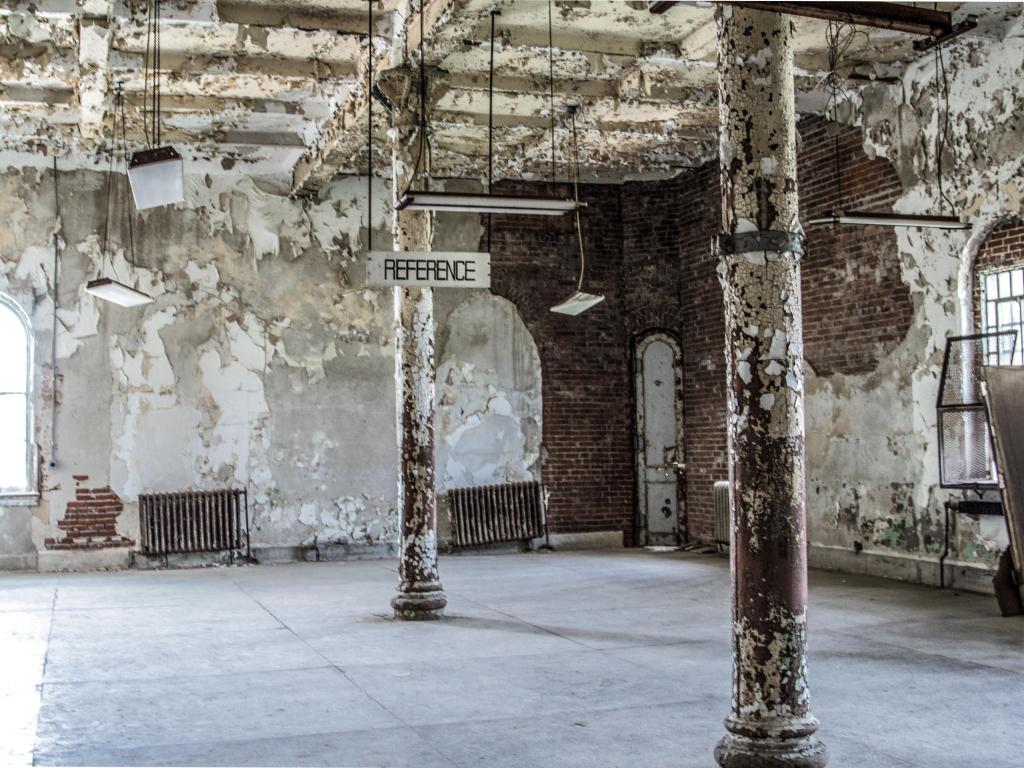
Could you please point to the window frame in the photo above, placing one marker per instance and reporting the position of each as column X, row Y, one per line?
column 30, row 495
column 997, row 301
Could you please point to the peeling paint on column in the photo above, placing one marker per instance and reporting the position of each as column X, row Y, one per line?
column 420, row 595
column 770, row 723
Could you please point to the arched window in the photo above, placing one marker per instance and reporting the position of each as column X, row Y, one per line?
column 15, row 403
column 999, row 287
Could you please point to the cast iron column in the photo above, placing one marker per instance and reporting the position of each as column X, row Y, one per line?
column 420, row 595
column 771, row 723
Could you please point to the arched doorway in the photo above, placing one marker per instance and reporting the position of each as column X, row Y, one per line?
column 661, row 512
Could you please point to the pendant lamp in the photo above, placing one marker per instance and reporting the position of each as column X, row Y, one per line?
column 488, row 202
column 156, row 174
column 107, row 288
column 580, row 301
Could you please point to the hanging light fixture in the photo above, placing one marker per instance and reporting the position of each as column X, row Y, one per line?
column 489, row 202
column 580, row 301
column 107, row 288
column 838, row 38
column 425, row 268
column 156, row 173
column 890, row 220
column 484, row 203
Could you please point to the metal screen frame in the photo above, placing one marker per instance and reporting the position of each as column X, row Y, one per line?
column 975, row 407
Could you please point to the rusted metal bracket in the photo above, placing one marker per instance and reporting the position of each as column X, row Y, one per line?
column 769, row 240
column 964, row 26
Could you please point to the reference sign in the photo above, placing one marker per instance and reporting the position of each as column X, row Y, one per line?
column 435, row 269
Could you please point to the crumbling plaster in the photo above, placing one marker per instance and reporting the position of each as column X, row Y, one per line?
column 872, row 445
column 488, row 394
column 259, row 362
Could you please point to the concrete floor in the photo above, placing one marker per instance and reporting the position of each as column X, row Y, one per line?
column 575, row 659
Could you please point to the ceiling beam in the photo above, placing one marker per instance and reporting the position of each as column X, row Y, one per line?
column 897, row 16
column 914, row 20
column 203, row 47
column 344, row 16
column 345, row 132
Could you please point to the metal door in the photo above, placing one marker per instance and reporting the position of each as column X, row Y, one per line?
column 659, row 440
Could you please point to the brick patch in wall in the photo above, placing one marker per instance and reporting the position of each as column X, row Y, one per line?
column 90, row 521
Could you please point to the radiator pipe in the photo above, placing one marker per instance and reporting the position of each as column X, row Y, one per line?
column 248, row 543
column 547, row 534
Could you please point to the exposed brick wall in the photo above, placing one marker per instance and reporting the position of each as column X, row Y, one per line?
column 703, row 333
column 1003, row 249
column 856, row 305
column 670, row 282
column 586, row 388
column 650, row 249
column 90, row 521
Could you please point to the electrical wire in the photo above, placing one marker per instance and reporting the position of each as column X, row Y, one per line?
column 156, row 71
column 941, row 136
column 490, row 128
column 551, row 85
column 145, row 76
column 56, row 305
column 576, row 197
column 839, row 38
column 119, row 108
column 421, row 148
column 369, row 128
column 110, row 187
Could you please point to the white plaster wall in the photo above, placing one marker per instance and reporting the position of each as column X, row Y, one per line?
column 488, row 395
column 871, row 439
column 262, row 361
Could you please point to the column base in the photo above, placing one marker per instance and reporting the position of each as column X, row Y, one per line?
column 735, row 751
column 416, row 605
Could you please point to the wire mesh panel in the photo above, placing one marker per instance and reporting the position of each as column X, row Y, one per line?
column 965, row 449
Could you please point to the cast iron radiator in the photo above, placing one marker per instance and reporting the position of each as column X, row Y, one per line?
column 493, row 513
column 194, row 521
column 723, row 528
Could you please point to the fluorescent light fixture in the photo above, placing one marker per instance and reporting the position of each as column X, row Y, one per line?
column 578, row 303
column 116, row 293
column 484, row 203
column 157, row 177
column 890, row 220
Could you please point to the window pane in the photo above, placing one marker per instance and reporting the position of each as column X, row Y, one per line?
column 1004, row 284
column 991, row 315
column 991, row 287
column 13, row 461
column 1006, row 314
column 1017, row 282
column 13, row 351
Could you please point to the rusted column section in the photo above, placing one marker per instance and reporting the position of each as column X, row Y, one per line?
column 771, row 723
column 420, row 595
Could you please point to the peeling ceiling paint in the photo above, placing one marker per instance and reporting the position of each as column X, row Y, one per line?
column 276, row 90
